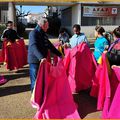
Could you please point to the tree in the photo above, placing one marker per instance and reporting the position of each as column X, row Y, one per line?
column 20, row 26
column 54, row 21
column 20, row 14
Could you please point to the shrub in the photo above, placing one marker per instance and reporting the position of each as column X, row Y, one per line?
column 2, row 28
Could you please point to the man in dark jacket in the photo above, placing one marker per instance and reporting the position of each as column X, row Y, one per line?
column 38, row 48
column 9, row 33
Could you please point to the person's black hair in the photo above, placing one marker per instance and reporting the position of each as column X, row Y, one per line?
column 77, row 26
column 100, row 29
column 116, row 32
column 9, row 22
column 62, row 30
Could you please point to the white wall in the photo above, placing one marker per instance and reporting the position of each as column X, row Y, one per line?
column 76, row 17
column 89, row 30
column 76, row 14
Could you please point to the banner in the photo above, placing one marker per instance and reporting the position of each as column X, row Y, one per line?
column 99, row 11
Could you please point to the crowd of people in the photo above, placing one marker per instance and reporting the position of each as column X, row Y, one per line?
column 103, row 42
column 40, row 45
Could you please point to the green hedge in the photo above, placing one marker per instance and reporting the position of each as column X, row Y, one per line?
column 2, row 28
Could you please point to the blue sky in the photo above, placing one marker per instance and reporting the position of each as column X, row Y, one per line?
column 33, row 9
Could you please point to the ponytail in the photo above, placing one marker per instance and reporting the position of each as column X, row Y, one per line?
column 100, row 29
column 108, row 36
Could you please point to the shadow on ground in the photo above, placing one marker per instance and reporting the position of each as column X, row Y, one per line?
column 20, row 74
column 85, row 103
column 4, row 91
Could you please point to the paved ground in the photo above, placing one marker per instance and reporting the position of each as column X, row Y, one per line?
column 15, row 97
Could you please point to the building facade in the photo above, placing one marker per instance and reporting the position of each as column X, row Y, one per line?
column 88, row 15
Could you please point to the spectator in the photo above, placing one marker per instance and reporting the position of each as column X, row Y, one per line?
column 101, row 44
column 77, row 38
column 113, row 53
column 9, row 33
column 63, row 36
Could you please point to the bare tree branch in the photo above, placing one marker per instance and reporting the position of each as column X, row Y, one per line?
column 23, row 14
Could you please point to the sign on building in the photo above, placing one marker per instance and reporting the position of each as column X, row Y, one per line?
column 99, row 11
